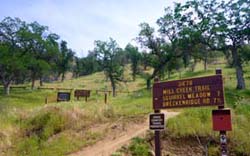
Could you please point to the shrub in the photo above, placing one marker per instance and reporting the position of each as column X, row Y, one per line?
column 45, row 124
column 139, row 147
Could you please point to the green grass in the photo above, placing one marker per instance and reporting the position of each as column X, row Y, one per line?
column 24, row 98
column 97, row 81
column 191, row 122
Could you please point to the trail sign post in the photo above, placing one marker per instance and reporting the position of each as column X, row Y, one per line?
column 194, row 92
column 157, row 133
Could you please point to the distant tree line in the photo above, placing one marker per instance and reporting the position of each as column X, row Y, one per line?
column 197, row 30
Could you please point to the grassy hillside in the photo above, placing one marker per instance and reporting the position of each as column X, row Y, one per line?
column 97, row 81
column 31, row 127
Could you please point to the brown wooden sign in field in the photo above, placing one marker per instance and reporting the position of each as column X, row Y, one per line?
column 203, row 91
column 82, row 93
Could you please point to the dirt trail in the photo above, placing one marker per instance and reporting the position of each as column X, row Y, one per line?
column 111, row 143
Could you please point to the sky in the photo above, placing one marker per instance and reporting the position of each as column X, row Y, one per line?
column 81, row 22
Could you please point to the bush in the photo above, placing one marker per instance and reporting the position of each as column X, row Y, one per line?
column 45, row 124
column 139, row 147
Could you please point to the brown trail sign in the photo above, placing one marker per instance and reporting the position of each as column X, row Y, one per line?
column 203, row 91
column 82, row 93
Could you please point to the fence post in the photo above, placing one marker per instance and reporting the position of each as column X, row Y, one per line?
column 105, row 97
column 46, row 100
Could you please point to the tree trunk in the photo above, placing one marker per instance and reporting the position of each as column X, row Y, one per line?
column 57, row 76
column 148, row 83
column 205, row 64
column 162, row 74
column 239, row 69
column 193, row 65
column 33, row 79
column 186, row 59
column 113, row 86
column 240, row 78
column 205, row 60
column 33, row 83
column 41, row 81
column 63, row 77
column 6, row 88
column 106, row 76
column 133, row 75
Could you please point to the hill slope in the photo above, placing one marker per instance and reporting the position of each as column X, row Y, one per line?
column 31, row 127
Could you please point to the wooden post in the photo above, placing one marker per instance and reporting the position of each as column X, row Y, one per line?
column 86, row 98
column 157, row 140
column 46, row 100
column 223, row 136
column 105, row 97
column 157, row 133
